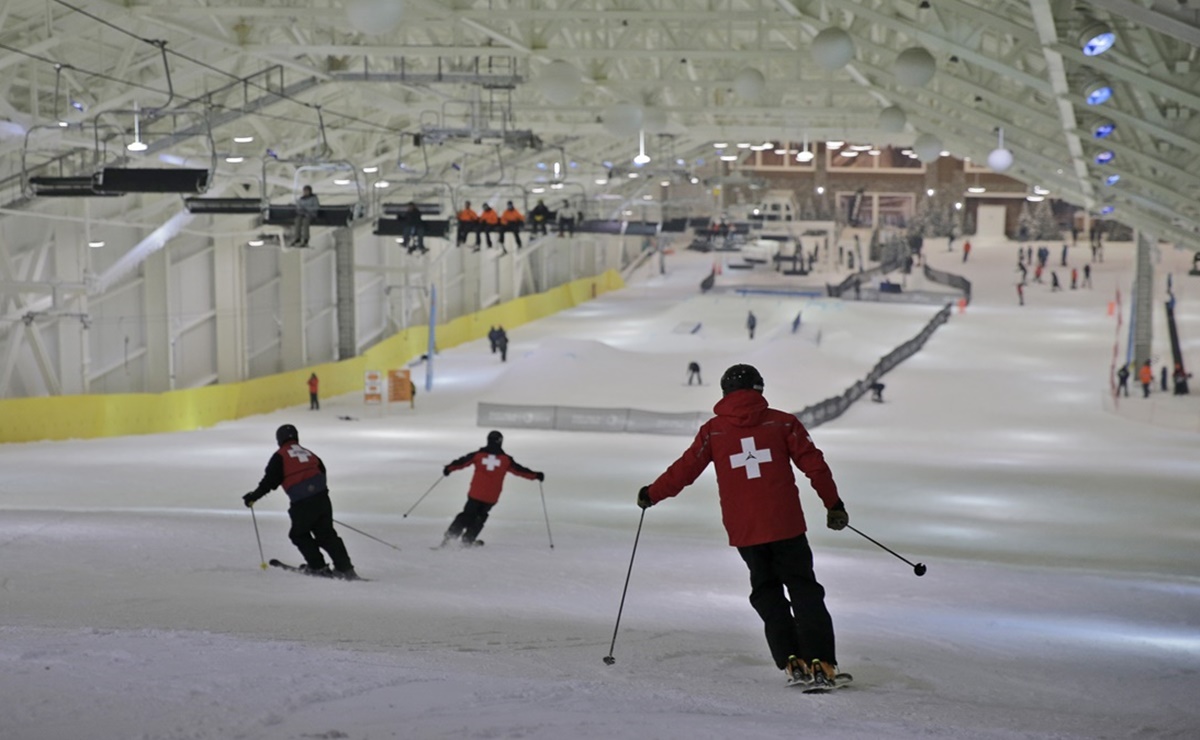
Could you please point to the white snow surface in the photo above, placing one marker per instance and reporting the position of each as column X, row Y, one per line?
column 1062, row 598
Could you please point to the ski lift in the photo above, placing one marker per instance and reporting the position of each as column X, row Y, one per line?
column 108, row 173
column 431, row 199
column 339, row 173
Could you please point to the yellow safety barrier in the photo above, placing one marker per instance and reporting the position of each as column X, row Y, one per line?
column 117, row 414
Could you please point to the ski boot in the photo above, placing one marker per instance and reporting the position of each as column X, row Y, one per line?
column 797, row 672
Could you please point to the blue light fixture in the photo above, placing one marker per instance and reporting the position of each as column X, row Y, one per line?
column 1103, row 129
column 1106, row 157
column 1106, row 210
column 1112, row 179
column 1097, row 37
column 1097, row 92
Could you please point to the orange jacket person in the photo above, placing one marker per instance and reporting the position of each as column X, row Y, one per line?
column 489, row 221
column 468, row 221
column 511, row 220
column 1146, row 378
column 491, row 465
column 314, row 384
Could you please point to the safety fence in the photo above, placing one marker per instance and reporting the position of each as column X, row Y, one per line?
column 835, row 406
column 862, row 277
column 638, row 421
column 958, row 282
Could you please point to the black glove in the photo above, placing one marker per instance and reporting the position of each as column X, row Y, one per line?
column 643, row 499
column 250, row 498
column 837, row 518
column 446, row 470
column 540, row 476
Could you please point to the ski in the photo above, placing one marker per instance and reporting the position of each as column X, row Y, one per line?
column 841, row 681
column 331, row 575
column 461, row 545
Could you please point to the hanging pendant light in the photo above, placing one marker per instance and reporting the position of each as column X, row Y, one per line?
column 642, row 158
column 137, row 145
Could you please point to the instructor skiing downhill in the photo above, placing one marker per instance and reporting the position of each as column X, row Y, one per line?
column 753, row 447
column 492, row 464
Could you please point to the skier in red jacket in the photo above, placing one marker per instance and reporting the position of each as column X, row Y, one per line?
column 491, row 463
column 753, row 447
column 302, row 475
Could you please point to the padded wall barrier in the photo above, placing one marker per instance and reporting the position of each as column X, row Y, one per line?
column 110, row 415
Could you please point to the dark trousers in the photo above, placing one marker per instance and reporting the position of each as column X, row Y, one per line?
column 514, row 229
column 1145, row 390
column 465, row 229
column 313, row 403
column 694, row 374
column 312, row 531
column 800, row 626
column 469, row 522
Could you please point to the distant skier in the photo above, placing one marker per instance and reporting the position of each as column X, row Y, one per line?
column 1054, row 284
column 1123, row 380
column 491, row 463
column 1074, row 278
column 753, row 448
column 1021, row 294
column 694, row 372
column 502, row 343
column 1146, row 377
column 751, row 323
column 302, row 475
column 1087, row 276
column 877, row 392
column 314, row 385
column 494, row 338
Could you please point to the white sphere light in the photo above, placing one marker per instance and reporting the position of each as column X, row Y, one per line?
column 749, row 84
column 892, row 119
column 914, row 67
column 375, row 17
column 833, row 48
column 654, row 120
column 623, row 119
column 559, row 82
column 1000, row 160
column 928, row 147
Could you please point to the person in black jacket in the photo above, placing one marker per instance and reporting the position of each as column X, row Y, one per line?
column 694, row 372
column 539, row 216
column 302, row 475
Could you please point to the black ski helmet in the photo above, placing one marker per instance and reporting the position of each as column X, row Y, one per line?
column 495, row 438
column 286, row 433
column 741, row 377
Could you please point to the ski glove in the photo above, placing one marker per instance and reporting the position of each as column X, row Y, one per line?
column 837, row 518
column 540, row 476
column 250, row 498
column 643, row 499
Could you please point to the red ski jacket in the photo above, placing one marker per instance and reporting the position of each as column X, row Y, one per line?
column 491, row 465
column 297, row 469
column 753, row 447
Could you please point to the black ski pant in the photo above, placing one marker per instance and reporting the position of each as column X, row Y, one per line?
column 801, row 626
column 694, row 374
column 314, row 404
column 312, row 531
column 469, row 522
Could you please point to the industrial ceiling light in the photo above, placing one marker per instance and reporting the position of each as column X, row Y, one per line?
column 721, row 145
column 243, row 139
column 1112, row 180
column 805, row 154
column 256, row 242
column 1096, row 38
column 1103, row 129
column 96, row 243
column 1106, row 210
column 1035, row 198
column 1000, row 159
column 1097, row 91
column 137, row 145
column 834, row 144
column 382, row 184
column 235, row 159
column 341, row 181
column 1106, row 157
column 1039, row 190
column 642, row 158
column 729, row 157
column 370, row 169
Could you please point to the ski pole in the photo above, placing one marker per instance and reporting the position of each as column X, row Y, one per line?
column 547, row 515
column 364, row 534
column 261, row 558
column 423, row 495
column 609, row 659
column 918, row 568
